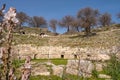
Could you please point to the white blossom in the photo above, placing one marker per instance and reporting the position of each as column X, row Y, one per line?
column 1, row 55
column 1, row 62
column 27, row 64
column 1, row 52
column 11, row 15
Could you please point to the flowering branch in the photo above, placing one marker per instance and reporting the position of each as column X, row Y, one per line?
column 8, row 23
column 27, row 69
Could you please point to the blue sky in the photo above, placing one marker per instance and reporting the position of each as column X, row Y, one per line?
column 57, row 9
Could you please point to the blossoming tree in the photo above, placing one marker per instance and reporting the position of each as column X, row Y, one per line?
column 8, row 22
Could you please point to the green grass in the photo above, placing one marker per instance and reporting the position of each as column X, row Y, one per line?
column 54, row 61
column 113, row 67
column 64, row 77
column 39, row 60
column 59, row 61
column 45, row 78
column 17, row 63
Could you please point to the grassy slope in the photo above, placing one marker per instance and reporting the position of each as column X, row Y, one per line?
column 104, row 38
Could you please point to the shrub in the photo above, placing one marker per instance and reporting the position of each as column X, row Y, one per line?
column 113, row 67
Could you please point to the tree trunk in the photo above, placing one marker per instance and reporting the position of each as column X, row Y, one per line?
column 87, row 30
column 68, row 29
column 77, row 29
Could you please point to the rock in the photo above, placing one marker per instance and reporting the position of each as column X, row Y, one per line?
column 40, row 69
column 49, row 63
column 104, row 76
column 98, row 57
column 42, row 73
column 72, row 67
column 103, row 57
column 39, row 52
column 72, row 71
column 82, row 67
column 99, row 66
column 86, row 67
column 58, row 70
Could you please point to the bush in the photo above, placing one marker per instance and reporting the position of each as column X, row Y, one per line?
column 113, row 67
column 95, row 73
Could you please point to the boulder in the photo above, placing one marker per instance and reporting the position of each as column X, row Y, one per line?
column 58, row 70
column 82, row 67
column 99, row 66
column 40, row 69
column 104, row 76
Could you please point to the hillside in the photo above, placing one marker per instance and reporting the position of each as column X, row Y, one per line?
column 105, row 37
column 53, row 56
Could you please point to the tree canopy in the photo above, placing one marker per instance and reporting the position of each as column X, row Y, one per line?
column 88, row 18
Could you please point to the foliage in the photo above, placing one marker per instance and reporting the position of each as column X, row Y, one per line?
column 95, row 73
column 113, row 67
column 17, row 63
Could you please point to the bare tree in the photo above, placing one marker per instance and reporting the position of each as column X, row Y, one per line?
column 31, row 22
column 76, row 24
column 118, row 15
column 66, row 22
column 22, row 17
column 88, row 18
column 105, row 19
column 36, row 21
column 53, row 24
column 1, row 12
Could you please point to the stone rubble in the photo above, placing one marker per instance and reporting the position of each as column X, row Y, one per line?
column 81, row 61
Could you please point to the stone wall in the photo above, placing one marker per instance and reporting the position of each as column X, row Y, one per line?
column 40, row 52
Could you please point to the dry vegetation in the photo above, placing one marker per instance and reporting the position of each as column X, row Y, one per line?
column 104, row 37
